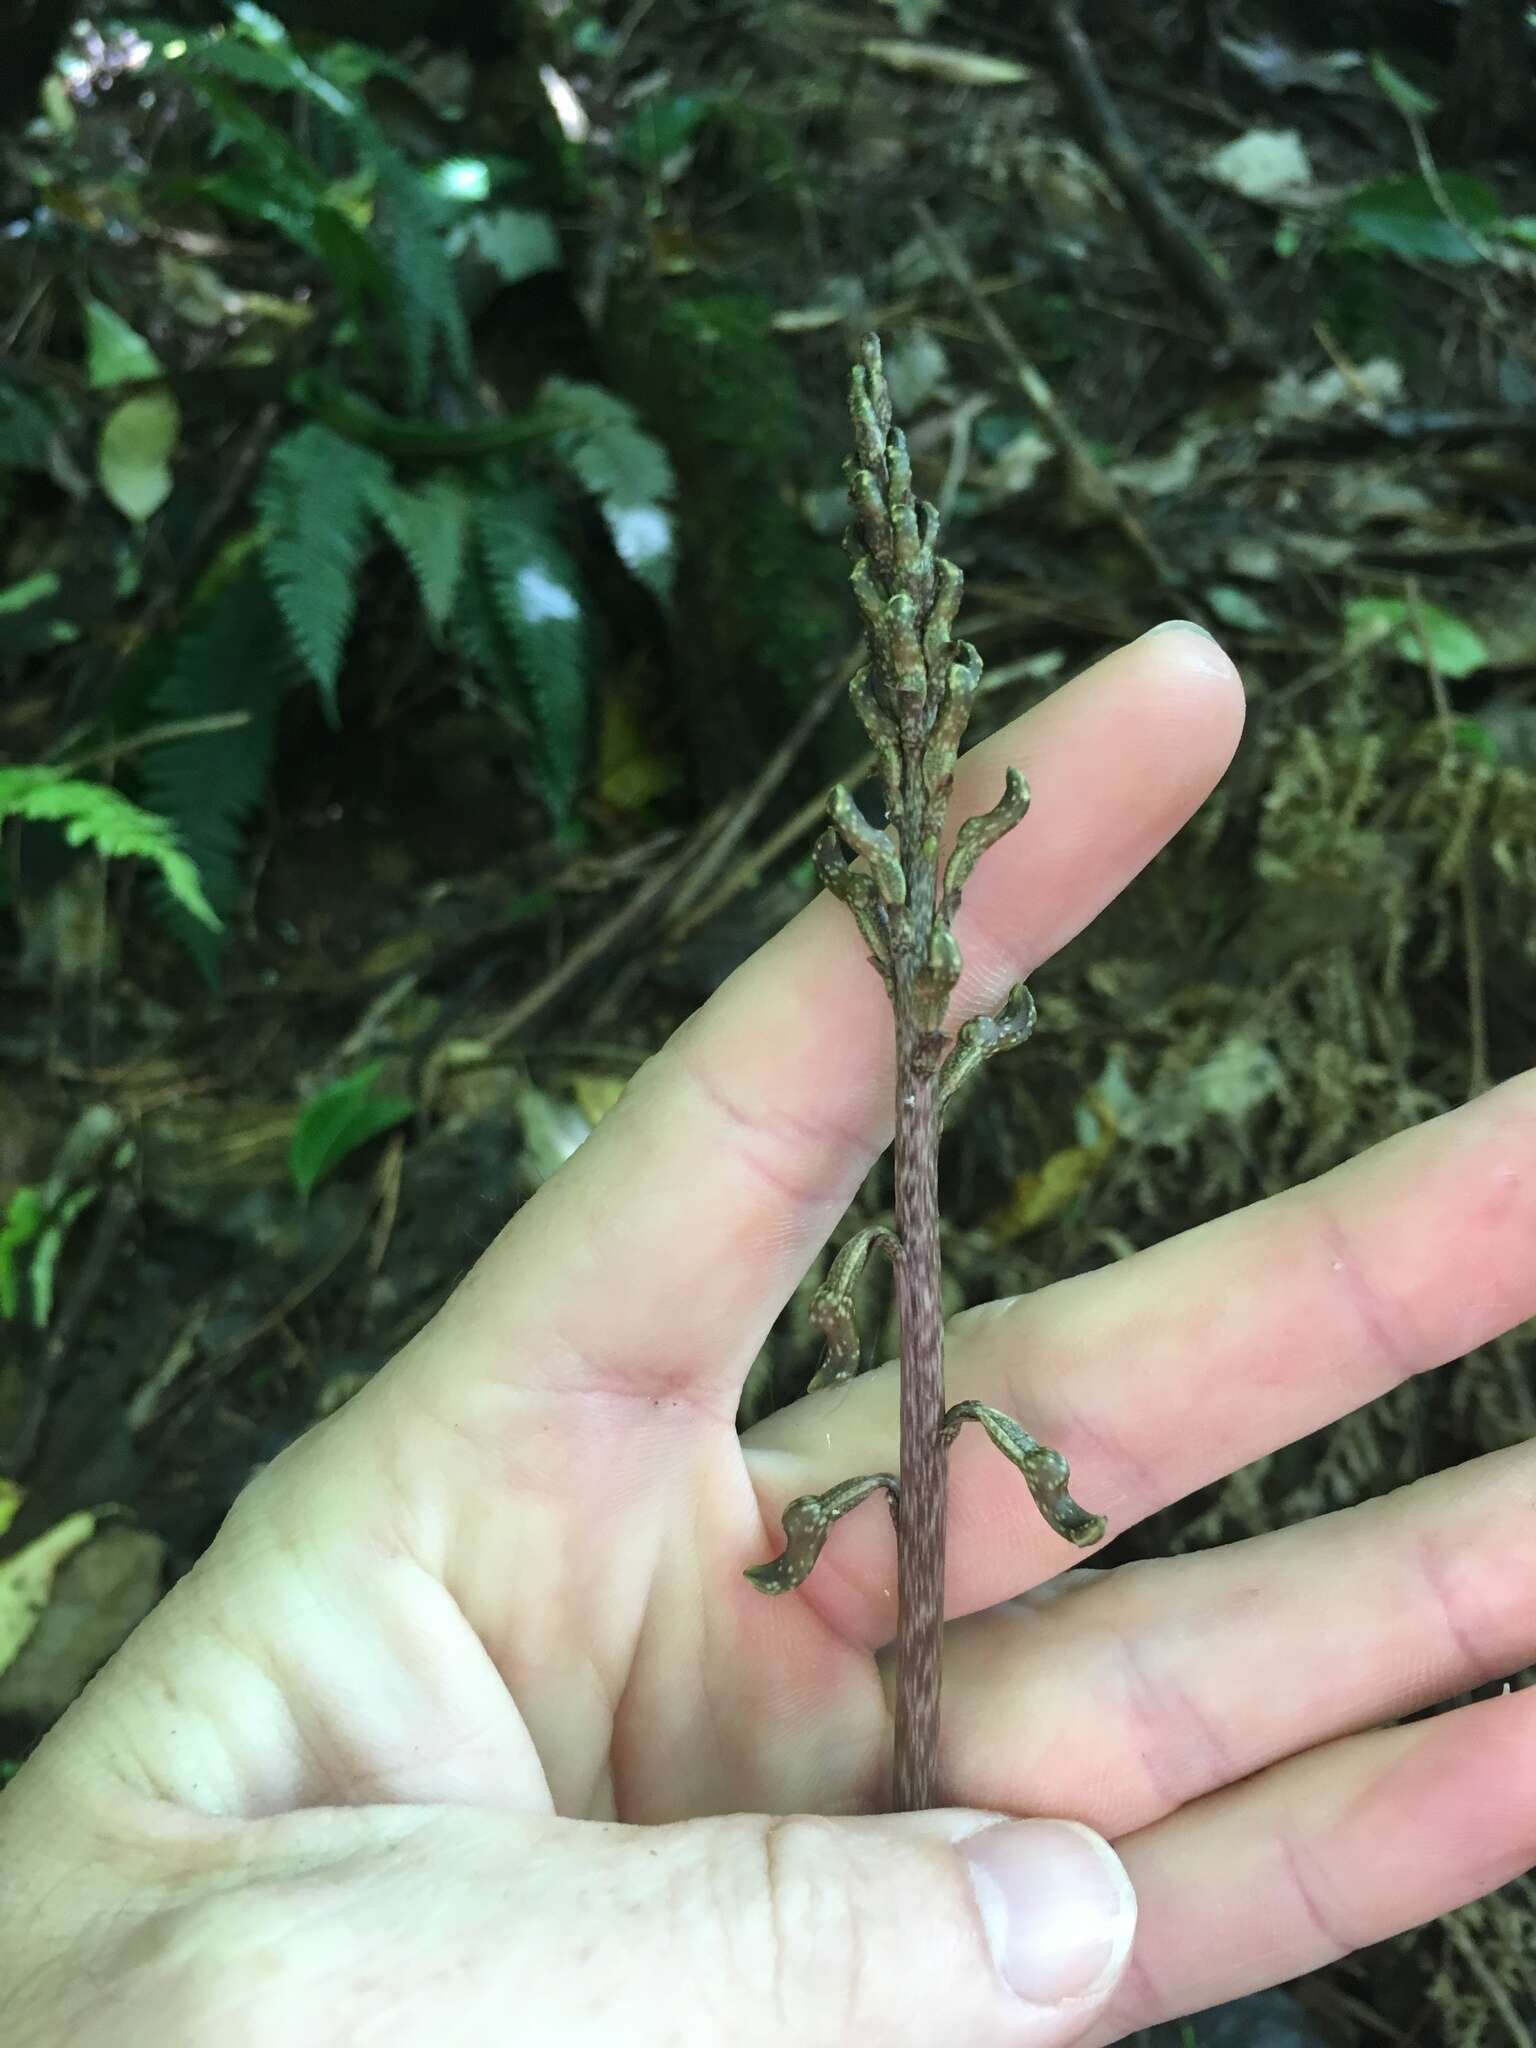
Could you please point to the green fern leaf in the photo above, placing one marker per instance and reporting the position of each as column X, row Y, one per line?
column 315, row 498
column 599, row 438
column 233, row 659
column 430, row 310
column 523, row 623
column 294, row 178
column 429, row 525
column 93, row 815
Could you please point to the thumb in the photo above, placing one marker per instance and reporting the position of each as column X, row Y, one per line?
column 904, row 1929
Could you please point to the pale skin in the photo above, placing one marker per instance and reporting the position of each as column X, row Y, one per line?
column 498, row 1598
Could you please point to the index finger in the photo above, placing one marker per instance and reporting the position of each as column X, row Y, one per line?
column 655, row 1261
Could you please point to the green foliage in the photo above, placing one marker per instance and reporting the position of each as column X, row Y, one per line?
column 337, row 1122
column 430, row 311
column 33, row 1232
column 1410, row 100
column 31, row 422
column 317, row 498
column 115, row 353
column 598, row 436
column 1419, row 633
column 230, row 660
column 52, row 1234
column 661, row 127
column 133, row 460
column 92, row 815
column 429, row 523
column 521, row 621
column 714, row 381
column 1408, row 217
column 351, row 244
column 30, row 591
column 22, row 1220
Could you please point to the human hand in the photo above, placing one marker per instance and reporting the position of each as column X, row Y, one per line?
column 468, row 1728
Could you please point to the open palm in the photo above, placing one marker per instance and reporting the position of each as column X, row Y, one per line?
column 502, row 1588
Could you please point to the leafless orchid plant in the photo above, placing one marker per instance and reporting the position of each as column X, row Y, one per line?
column 914, row 697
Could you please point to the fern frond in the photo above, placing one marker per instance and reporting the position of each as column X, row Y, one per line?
column 429, row 307
column 598, row 436
column 315, row 496
column 429, row 525
column 234, row 659
column 524, row 625
column 93, row 815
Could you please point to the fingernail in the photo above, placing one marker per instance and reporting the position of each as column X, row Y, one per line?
column 1180, row 626
column 1057, row 1904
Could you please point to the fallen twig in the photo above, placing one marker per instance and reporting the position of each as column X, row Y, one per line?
column 631, row 916
column 1086, row 480
column 703, row 871
column 1172, row 238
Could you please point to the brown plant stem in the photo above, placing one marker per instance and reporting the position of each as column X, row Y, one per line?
column 914, row 699
column 924, row 1465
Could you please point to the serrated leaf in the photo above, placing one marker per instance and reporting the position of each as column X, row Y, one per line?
column 316, row 497
column 599, row 437
column 92, row 815
column 537, row 603
column 337, row 1121
column 232, row 657
column 293, row 176
column 115, row 353
column 133, row 459
column 1404, row 215
column 429, row 525
column 430, row 312
column 1456, row 648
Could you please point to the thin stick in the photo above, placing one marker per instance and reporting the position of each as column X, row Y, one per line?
column 627, row 919
column 703, row 870
column 1087, row 478
column 156, row 736
column 1172, row 239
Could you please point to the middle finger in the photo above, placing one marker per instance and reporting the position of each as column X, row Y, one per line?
column 1120, row 1696
column 1167, row 1371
